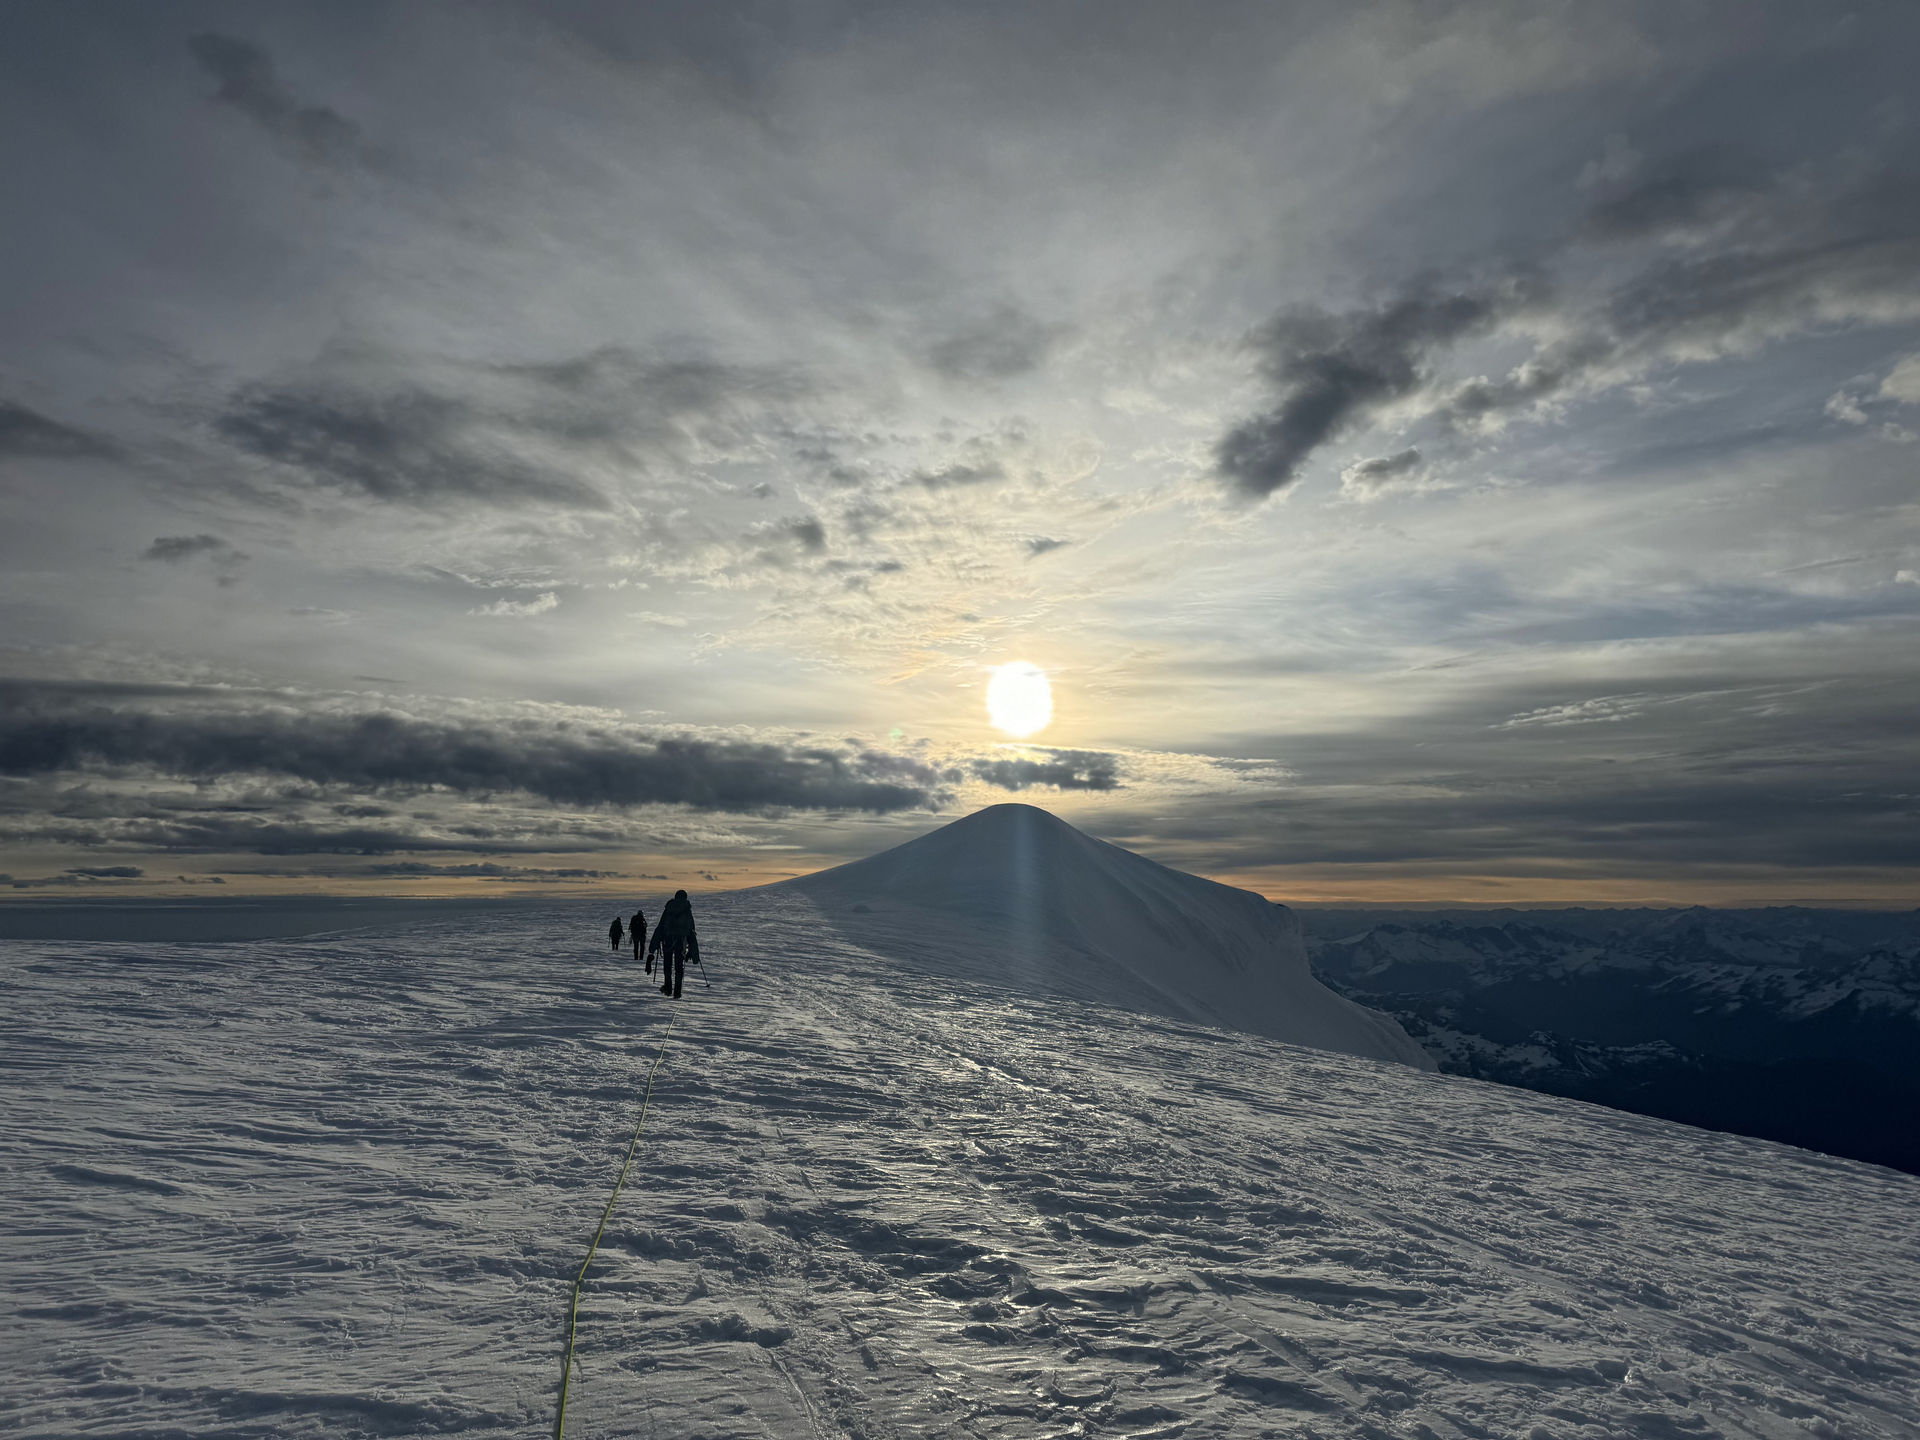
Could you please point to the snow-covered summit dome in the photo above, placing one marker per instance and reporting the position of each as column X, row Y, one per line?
column 1015, row 893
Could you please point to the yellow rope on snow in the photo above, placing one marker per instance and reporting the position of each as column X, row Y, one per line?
column 573, row 1310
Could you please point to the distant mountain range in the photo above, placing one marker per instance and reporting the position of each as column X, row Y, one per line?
column 1791, row 1024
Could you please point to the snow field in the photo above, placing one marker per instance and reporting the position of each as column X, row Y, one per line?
column 340, row 1187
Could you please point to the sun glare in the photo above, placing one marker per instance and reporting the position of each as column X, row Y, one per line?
column 1019, row 699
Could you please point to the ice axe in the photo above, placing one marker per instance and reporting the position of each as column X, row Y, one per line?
column 693, row 950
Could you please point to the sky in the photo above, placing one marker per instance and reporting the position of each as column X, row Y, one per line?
column 1436, row 452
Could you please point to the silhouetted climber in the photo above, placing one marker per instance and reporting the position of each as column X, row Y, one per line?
column 637, row 932
column 613, row 932
column 671, row 936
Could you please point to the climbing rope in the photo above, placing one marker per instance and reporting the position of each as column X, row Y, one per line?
column 573, row 1310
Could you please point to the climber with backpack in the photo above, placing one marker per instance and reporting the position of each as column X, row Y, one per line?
column 673, row 937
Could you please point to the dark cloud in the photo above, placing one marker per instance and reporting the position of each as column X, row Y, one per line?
column 950, row 476
column 1688, row 197
column 1678, row 776
column 1062, row 770
column 805, row 531
column 1476, row 403
column 30, row 435
column 1699, row 306
column 491, row 870
column 79, row 875
column 512, row 435
column 250, row 84
column 839, row 473
column 1736, row 264
column 46, row 731
column 1331, row 372
column 1382, row 472
column 486, row 870
column 1008, row 344
column 226, row 561
column 133, row 809
column 1719, row 260
column 175, row 548
column 217, row 833
column 615, row 388
column 406, row 445
column 781, row 542
column 1041, row 544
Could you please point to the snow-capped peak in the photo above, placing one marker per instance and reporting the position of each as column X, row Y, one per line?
column 1015, row 893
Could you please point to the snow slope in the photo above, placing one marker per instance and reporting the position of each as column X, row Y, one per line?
column 1016, row 894
column 339, row 1186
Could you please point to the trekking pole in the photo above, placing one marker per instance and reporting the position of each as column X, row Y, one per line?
column 695, row 948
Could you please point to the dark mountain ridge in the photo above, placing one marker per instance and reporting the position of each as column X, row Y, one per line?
column 1790, row 1024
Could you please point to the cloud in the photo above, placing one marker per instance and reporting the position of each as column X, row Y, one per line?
column 250, row 84
column 1903, row 382
column 948, row 477
column 129, row 809
column 1369, row 479
column 804, row 531
column 1041, row 544
column 573, row 762
column 80, row 875
column 539, row 605
column 225, row 561
column 1617, row 161
column 1331, row 372
column 774, row 545
column 1483, row 406
column 485, row 870
column 175, row 548
column 1846, row 408
column 1602, row 709
column 413, row 430
column 217, row 833
column 655, row 617
column 1703, row 260
column 1060, row 769
column 1686, row 198
column 406, row 445
column 1007, row 344
column 1735, row 263
column 1693, row 789
column 1801, row 262
column 29, row 435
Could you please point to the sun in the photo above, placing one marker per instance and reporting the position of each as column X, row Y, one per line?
column 1019, row 699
